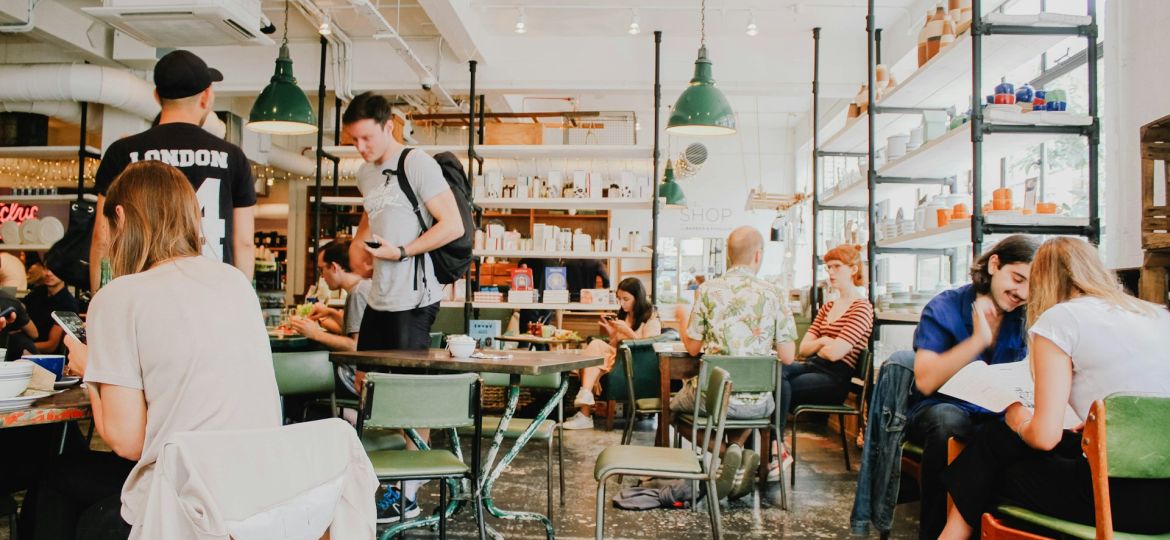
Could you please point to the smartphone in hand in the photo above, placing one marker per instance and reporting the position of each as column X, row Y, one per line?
column 71, row 323
column 374, row 244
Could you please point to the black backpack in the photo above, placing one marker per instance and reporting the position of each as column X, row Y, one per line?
column 68, row 258
column 453, row 259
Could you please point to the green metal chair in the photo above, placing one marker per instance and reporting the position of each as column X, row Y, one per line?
column 681, row 463
column 641, row 381
column 307, row 373
column 860, row 385
column 755, row 374
column 1120, row 440
column 409, row 402
column 544, row 432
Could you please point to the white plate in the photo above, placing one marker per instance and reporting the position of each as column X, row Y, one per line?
column 30, row 231
column 10, row 231
column 52, row 230
column 22, row 401
column 66, row 382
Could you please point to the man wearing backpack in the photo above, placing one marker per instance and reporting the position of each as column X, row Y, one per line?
column 404, row 298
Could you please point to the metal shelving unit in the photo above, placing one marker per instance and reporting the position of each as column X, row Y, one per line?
column 940, row 83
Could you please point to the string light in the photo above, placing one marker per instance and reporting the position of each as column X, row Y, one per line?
column 31, row 176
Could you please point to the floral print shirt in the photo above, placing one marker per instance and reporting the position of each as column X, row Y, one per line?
column 739, row 314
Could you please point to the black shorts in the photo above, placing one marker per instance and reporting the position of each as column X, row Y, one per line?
column 397, row 330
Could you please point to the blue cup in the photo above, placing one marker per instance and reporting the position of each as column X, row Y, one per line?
column 52, row 362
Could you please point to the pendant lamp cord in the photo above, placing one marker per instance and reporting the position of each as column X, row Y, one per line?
column 284, row 41
column 703, row 23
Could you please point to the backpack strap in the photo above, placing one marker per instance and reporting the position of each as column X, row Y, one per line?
column 404, row 185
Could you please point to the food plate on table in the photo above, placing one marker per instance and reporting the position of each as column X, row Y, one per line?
column 22, row 401
column 66, row 382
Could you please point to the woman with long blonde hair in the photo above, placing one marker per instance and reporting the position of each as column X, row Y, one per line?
column 1089, row 340
column 176, row 342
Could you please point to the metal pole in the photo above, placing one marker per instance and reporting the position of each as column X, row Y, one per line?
column 470, row 158
column 320, row 153
column 816, row 169
column 871, row 55
column 482, row 108
column 336, row 142
column 976, row 130
column 878, row 39
column 654, row 179
column 1095, row 130
column 81, row 153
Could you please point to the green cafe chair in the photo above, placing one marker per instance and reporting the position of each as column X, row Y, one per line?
column 859, row 385
column 545, row 432
column 304, row 373
column 436, row 340
column 755, row 374
column 636, row 381
column 1120, row 441
column 659, row 462
column 409, row 402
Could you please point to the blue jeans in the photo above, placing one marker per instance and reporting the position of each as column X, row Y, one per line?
column 930, row 428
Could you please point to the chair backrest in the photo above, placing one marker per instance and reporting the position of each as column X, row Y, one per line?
column 419, row 401
column 436, row 339
column 716, row 401
column 863, row 377
column 299, row 373
column 640, row 356
column 750, row 373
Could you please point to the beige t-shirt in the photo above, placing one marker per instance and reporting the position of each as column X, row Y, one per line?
column 190, row 335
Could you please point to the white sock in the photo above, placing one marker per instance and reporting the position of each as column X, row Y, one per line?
column 410, row 490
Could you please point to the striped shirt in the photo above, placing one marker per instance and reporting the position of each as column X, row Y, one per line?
column 853, row 326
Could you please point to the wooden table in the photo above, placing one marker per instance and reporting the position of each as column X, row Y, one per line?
column 68, row 406
column 521, row 363
column 674, row 364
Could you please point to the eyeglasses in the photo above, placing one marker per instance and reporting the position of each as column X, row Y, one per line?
column 834, row 266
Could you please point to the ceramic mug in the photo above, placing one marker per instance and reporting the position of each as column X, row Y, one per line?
column 52, row 362
column 460, row 346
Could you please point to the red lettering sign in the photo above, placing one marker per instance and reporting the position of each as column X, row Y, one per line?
column 17, row 212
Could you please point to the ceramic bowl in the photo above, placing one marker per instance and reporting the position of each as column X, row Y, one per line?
column 14, row 378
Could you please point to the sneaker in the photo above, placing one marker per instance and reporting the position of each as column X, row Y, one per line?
column 779, row 466
column 584, row 398
column 578, row 421
column 745, row 477
column 728, row 467
column 388, row 506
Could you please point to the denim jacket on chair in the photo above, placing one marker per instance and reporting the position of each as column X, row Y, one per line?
column 878, row 482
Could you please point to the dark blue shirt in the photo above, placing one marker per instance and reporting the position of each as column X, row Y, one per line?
column 946, row 322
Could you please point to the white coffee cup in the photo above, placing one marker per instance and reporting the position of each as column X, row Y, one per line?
column 460, row 346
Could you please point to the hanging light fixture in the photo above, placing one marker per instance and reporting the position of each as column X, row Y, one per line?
column 752, row 29
column 282, row 108
column 702, row 109
column 522, row 22
column 670, row 189
column 326, row 27
column 635, row 26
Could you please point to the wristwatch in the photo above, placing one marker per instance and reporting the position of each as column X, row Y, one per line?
column 402, row 256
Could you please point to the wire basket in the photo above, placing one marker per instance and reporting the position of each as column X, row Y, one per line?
column 495, row 398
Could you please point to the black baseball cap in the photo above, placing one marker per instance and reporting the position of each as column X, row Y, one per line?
column 181, row 74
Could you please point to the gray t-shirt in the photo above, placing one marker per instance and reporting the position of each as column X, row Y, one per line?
column 396, row 285
column 355, row 307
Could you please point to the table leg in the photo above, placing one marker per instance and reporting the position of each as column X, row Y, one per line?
column 663, row 433
column 494, row 470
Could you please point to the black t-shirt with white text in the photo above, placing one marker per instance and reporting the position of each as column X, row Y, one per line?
column 218, row 170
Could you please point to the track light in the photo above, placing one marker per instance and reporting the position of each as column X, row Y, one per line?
column 635, row 27
column 752, row 30
column 325, row 28
column 522, row 23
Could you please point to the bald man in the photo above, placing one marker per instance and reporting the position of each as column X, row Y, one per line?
column 738, row 314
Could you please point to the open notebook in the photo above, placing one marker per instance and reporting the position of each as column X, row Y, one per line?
column 996, row 387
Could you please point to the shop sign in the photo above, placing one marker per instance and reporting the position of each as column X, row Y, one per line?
column 704, row 221
column 17, row 212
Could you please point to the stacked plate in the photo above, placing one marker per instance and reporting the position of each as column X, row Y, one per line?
column 45, row 231
column 14, row 377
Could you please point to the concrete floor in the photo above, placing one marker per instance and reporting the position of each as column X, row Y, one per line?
column 819, row 506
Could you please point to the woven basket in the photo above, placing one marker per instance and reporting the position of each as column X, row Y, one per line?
column 495, row 398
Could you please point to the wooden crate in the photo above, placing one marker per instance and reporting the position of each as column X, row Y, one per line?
column 1155, row 140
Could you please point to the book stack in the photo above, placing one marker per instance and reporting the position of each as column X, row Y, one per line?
column 488, row 296
column 522, row 297
column 556, row 297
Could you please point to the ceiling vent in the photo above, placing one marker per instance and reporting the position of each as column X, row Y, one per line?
column 185, row 23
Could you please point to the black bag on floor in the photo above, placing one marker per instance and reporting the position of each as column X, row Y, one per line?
column 69, row 257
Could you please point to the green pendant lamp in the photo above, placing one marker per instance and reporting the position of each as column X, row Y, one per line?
column 283, row 108
column 670, row 189
column 702, row 109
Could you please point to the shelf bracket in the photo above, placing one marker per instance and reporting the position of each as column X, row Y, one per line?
column 824, row 153
column 840, row 208
column 908, row 110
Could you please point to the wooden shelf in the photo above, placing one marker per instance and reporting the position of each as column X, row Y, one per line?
column 950, row 154
column 44, row 152
column 899, row 317
column 505, row 254
column 566, row 204
column 25, row 247
column 498, row 215
column 959, row 233
column 945, row 81
column 854, row 137
column 566, row 307
column 45, row 198
column 579, row 151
